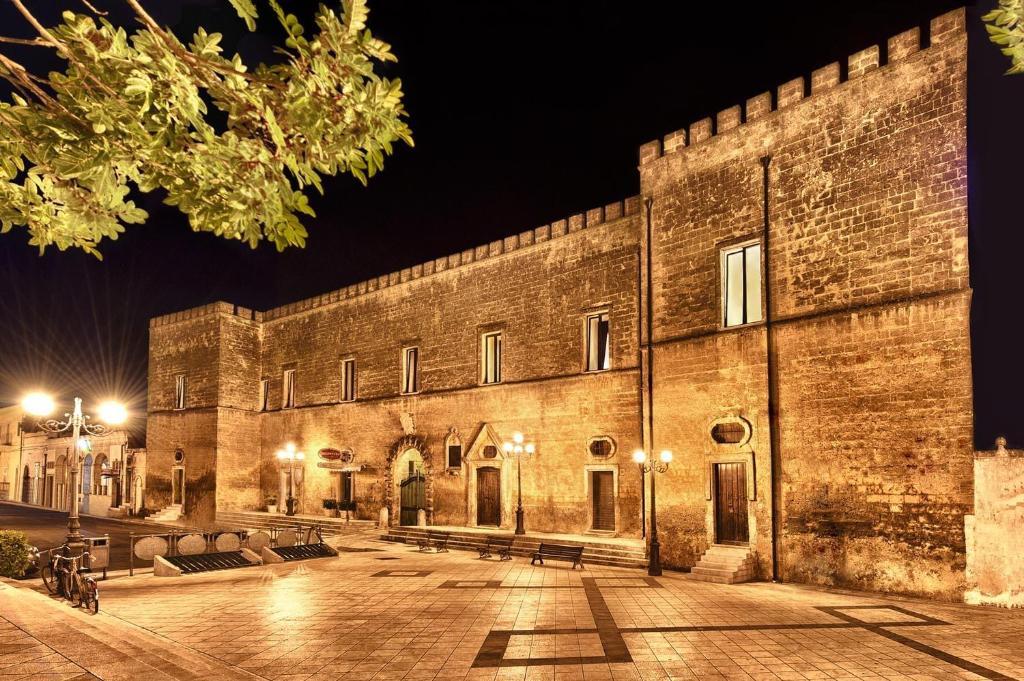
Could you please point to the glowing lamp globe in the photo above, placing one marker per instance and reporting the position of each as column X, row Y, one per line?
column 639, row 456
column 112, row 412
column 666, row 455
column 38, row 404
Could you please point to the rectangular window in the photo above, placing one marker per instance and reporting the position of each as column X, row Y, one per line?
column 348, row 380
column 264, row 395
column 288, row 389
column 741, row 285
column 455, row 456
column 180, row 387
column 410, row 370
column 598, row 345
column 490, row 357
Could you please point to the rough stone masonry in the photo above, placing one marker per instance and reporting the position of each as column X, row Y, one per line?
column 810, row 351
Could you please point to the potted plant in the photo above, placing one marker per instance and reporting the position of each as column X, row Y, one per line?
column 271, row 504
column 332, row 506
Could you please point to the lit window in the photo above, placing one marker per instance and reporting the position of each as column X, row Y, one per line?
column 490, row 358
column 598, row 345
column 179, row 391
column 288, row 389
column 410, row 370
column 264, row 395
column 348, row 380
column 741, row 285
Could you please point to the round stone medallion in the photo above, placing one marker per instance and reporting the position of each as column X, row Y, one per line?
column 191, row 544
column 258, row 540
column 147, row 547
column 286, row 538
column 228, row 542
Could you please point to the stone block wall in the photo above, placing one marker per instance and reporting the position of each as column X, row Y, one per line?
column 869, row 296
column 995, row 563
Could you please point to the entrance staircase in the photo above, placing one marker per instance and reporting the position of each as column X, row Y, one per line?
column 167, row 514
column 724, row 565
column 259, row 520
column 616, row 554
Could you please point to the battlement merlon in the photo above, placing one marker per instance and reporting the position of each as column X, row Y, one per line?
column 942, row 29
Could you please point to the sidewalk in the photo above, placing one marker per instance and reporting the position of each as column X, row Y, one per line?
column 44, row 638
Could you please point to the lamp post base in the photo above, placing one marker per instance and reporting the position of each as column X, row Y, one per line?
column 654, row 561
column 290, row 505
column 520, row 526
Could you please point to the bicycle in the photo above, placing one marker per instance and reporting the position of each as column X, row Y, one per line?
column 66, row 577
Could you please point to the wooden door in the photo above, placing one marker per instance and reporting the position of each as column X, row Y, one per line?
column 488, row 496
column 603, row 501
column 413, row 498
column 731, row 503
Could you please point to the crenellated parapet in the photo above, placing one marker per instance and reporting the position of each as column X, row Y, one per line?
column 902, row 46
column 219, row 307
column 557, row 229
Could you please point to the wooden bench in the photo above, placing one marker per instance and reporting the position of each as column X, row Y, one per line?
column 436, row 540
column 503, row 545
column 559, row 552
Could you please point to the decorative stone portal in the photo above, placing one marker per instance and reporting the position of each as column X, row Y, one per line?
column 489, row 476
column 408, row 450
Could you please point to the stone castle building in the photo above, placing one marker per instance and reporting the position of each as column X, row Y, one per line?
column 785, row 306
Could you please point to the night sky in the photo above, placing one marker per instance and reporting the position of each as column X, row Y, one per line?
column 522, row 112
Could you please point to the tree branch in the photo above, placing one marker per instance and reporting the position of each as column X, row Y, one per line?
column 34, row 42
column 40, row 29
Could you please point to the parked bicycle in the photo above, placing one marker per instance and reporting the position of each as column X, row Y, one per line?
column 69, row 578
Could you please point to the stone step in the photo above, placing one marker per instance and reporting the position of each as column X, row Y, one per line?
column 527, row 539
column 724, row 565
column 525, row 546
column 264, row 521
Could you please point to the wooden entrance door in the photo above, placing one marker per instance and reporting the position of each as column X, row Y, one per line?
column 603, row 488
column 413, row 498
column 178, row 486
column 488, row 496
column 731, row 503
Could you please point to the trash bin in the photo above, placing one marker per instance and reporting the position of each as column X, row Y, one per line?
column 99, row 553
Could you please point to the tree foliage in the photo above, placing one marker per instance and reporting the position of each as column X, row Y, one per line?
column 1005, row 26
column 235, row 149
column 14, row 553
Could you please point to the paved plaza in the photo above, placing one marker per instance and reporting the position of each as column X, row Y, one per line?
column 383, row 611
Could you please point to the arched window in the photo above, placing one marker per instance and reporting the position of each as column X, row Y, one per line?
column 453, row 449
column 100, row 483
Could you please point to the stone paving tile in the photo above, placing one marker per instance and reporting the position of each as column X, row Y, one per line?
column 452, row 616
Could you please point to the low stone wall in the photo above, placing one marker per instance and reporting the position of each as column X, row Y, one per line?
column 995, row 561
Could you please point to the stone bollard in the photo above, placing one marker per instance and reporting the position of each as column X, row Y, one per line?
column 421, row 518
column 383, row 521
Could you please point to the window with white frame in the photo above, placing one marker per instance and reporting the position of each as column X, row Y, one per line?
column 741, row 284
column 288, row 389
column 180, row 388
column 490, row 357
column 598, row 343
column 264, row 403
column 348, row 380
column 410, row 370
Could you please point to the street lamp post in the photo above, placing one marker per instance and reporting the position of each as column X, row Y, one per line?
column 520, row 450
column 112, row 413
column 653, row 467
column 291, row 455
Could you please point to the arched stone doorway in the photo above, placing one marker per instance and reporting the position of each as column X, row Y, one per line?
column 409, row 458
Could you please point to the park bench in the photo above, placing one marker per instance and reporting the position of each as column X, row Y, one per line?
column 503, row 545
column 559, row 552
column 436, row 540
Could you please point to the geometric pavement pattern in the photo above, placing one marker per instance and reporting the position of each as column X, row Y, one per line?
column 453, row 616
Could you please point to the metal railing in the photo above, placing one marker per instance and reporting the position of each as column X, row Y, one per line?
column 188, row 542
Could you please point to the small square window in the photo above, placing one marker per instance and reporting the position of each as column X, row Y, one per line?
column 288, row 389
column 741, row 285
column 348, row 380
column 598, row 342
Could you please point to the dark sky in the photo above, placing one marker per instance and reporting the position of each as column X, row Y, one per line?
column 523, row 112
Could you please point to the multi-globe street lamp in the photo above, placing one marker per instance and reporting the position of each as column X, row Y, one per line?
column 653, row 467
column 110, row 412
column 519, row 449
column 291, row 455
